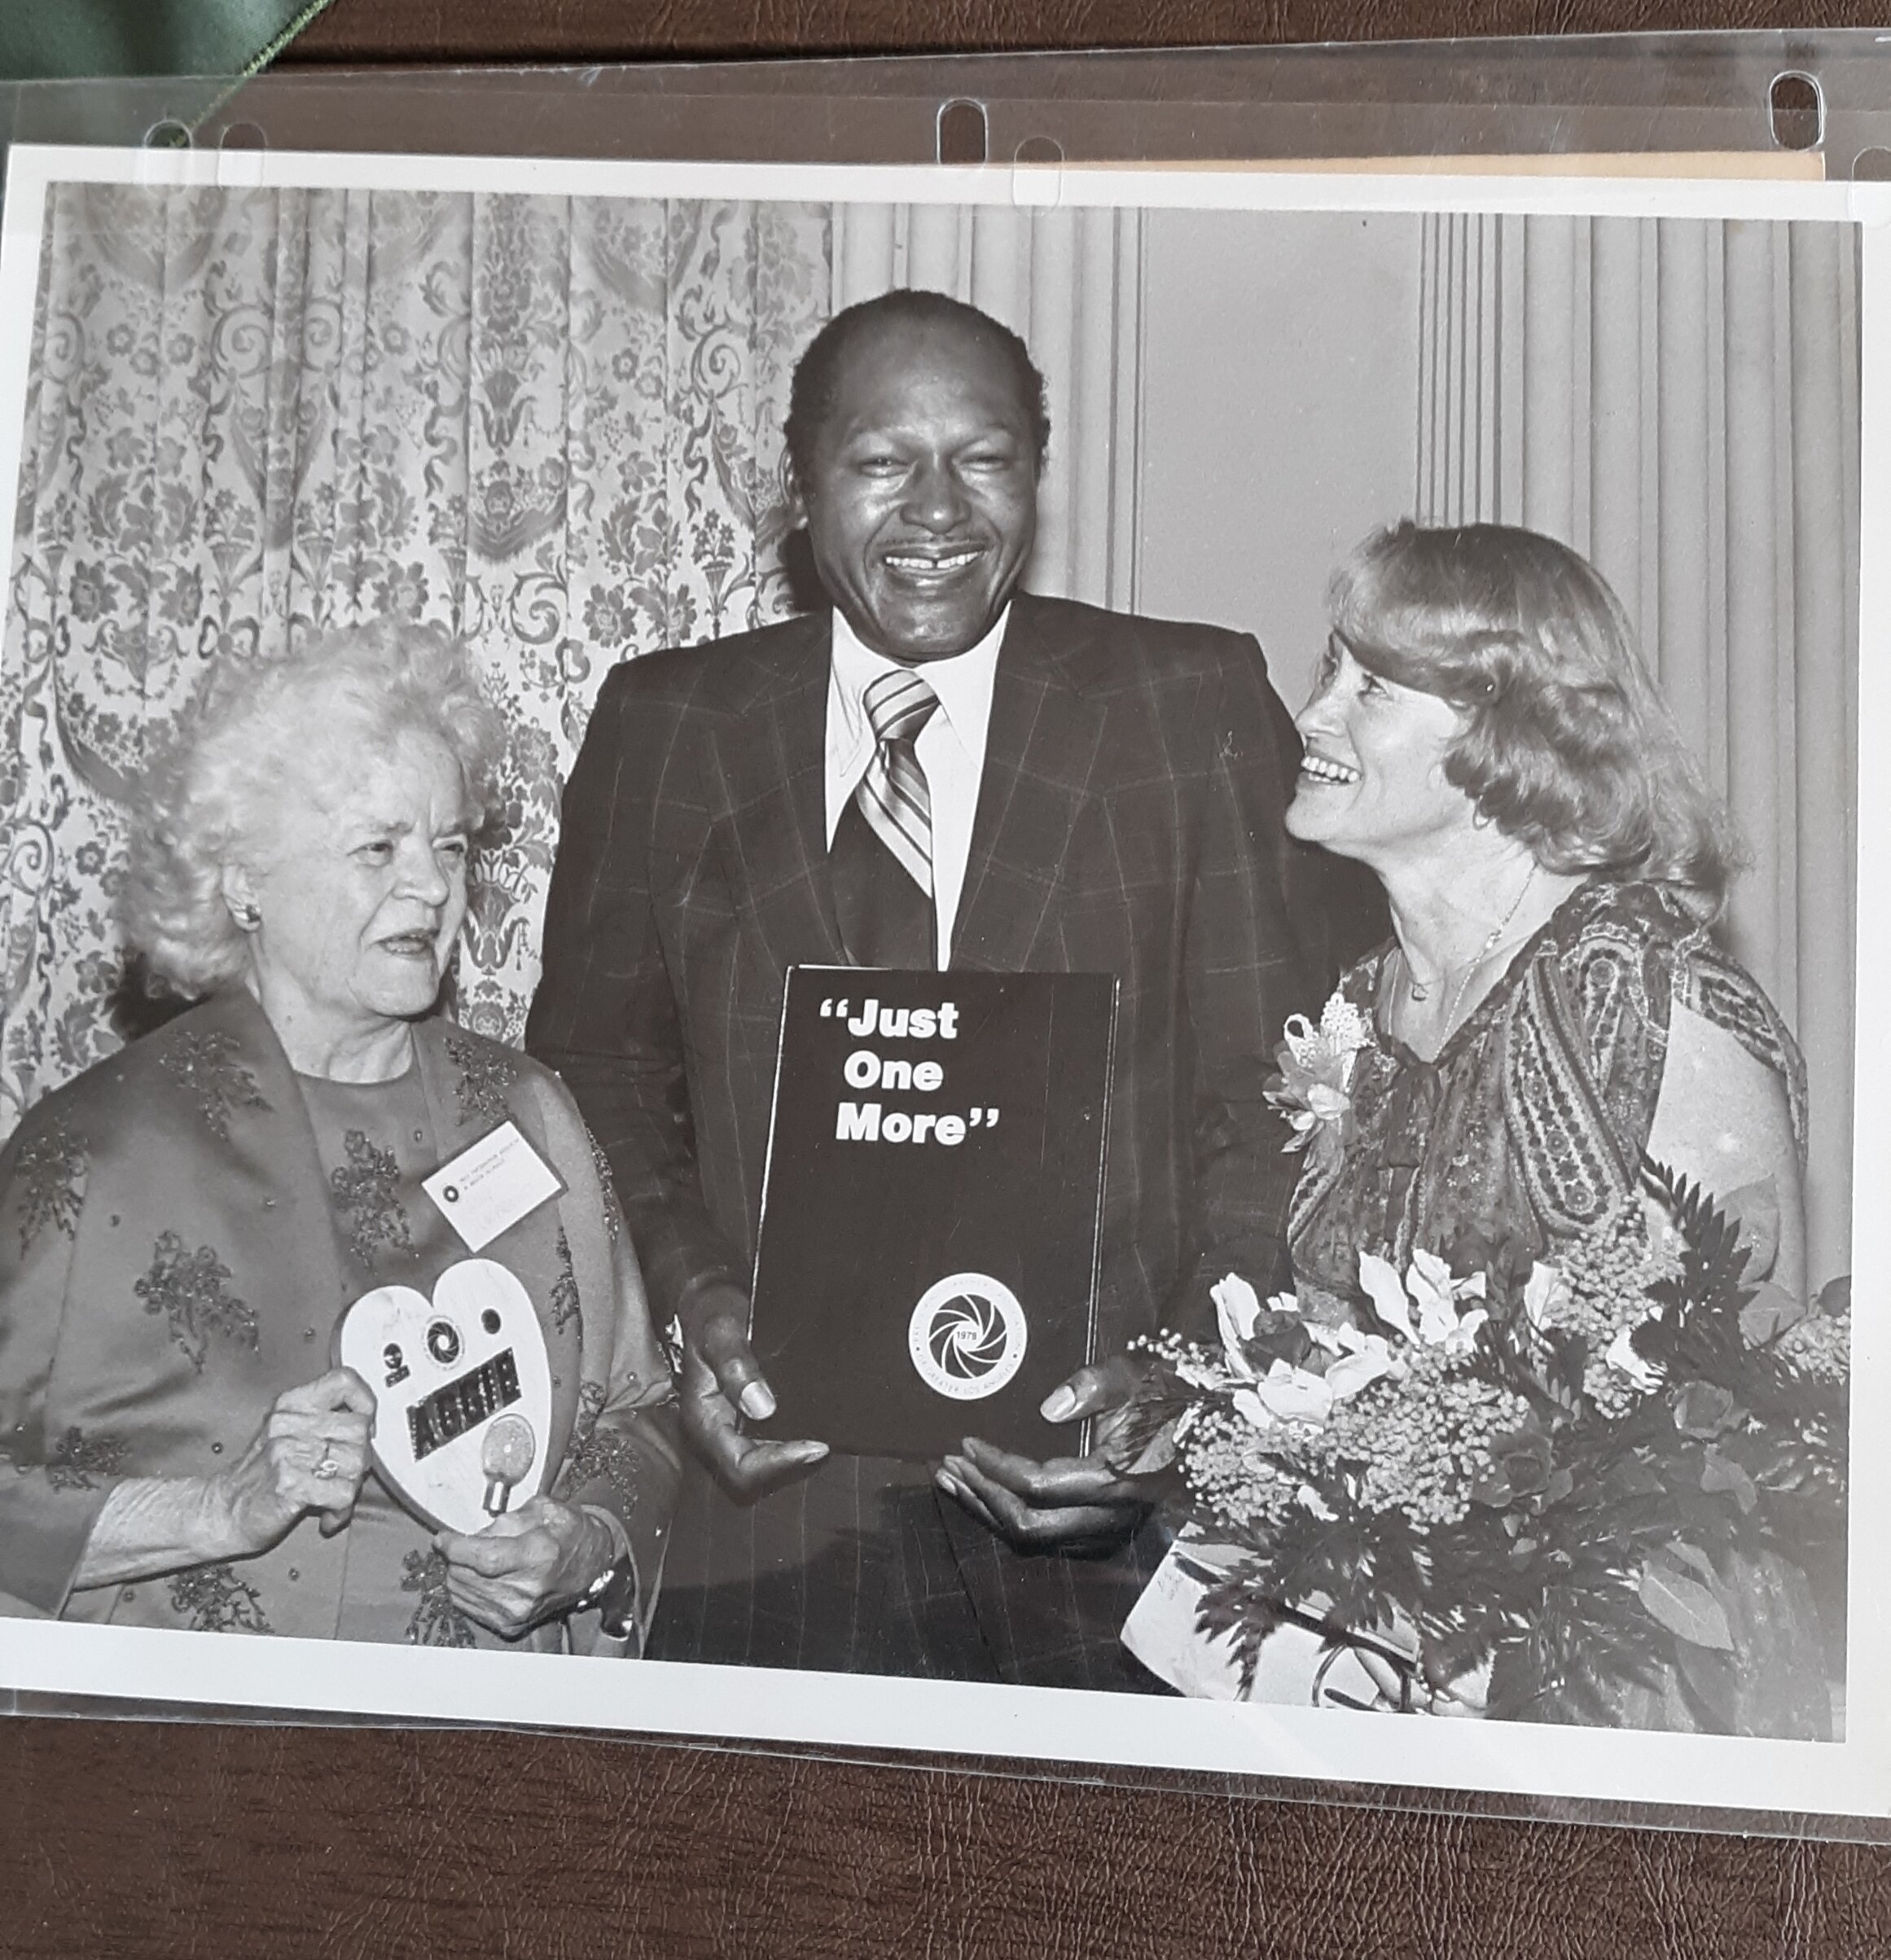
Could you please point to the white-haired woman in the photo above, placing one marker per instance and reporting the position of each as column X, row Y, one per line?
column 1552, row 1010
column 182, row 1227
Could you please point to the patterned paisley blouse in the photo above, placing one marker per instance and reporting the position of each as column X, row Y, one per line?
column 1528, row 1124
column 1532, row 1119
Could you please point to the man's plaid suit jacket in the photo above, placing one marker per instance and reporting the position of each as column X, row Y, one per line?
column 1128, row 821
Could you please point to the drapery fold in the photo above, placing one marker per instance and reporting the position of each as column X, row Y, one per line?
column 551, row 424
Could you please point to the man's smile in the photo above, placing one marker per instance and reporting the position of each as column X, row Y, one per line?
column 932, row 564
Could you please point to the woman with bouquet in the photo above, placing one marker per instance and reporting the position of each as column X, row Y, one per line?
column 1552, row 1005
column 1500, row 1101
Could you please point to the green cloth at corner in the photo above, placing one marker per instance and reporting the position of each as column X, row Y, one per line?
column 41, row 38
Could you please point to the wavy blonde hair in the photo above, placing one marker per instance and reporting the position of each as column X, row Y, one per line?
column 1567, row 745
column 206, row 799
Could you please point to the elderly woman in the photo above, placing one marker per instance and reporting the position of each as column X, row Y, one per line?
column 182, row 1227
column 1552, row 1006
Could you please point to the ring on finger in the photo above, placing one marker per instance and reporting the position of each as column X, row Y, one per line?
column 327, row 1469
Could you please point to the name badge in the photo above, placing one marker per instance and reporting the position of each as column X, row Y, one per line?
column 492, row 1185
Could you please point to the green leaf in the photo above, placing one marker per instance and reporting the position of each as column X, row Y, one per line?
column 1754, row 1211
column 1769, row 1313
column 1684, row 1606
column 1157, row 1454
column 1704, row 1408
column 1718, row 1472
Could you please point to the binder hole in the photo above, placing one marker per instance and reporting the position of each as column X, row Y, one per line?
column 1797, row 107
column 1037, row 174
column 1872, row 166
column 962, row 134
column 242, row 156
column 167, row 134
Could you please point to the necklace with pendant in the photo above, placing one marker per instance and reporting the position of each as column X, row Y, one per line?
column 1421, row 990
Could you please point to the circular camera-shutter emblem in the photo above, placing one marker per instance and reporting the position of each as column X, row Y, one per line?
column 967, row 1336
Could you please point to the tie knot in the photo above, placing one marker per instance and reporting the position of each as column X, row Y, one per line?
column 898, row 704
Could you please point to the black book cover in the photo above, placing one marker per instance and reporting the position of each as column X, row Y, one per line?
column 926, row 1268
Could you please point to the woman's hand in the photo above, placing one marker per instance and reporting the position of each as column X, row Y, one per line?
column 310, row 1454
column 529, row 1565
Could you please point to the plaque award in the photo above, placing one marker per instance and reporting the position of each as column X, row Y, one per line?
column 463, row 1392
column 926, row 1268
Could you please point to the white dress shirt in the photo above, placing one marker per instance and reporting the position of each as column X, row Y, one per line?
column 950, row 748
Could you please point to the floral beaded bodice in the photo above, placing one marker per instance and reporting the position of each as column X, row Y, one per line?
column 1531, row 1121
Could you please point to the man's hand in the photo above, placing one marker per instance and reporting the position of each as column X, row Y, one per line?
column 1069, row 1504
column 721, row 1382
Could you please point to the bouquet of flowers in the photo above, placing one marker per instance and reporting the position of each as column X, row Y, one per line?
column 1564, row 1475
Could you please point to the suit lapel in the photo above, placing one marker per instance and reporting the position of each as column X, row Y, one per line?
column 1040, row 759
column 769, row 756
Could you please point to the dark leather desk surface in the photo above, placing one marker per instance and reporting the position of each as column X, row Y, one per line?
column 223, row 1843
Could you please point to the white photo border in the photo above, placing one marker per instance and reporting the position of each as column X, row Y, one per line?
column 764, row 1706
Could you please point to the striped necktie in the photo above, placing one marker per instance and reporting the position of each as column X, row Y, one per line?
column 882, row 859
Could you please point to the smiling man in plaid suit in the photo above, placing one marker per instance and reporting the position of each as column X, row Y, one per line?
column 942, row 771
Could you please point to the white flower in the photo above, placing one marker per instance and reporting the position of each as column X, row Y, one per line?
column 1238, row 1314
column 1303, row 1040
column 1285, row 1394
column 1237, row 1311
column 1545, row 1284
column 1361, row 1358
column 1379, row 1277
column 1353, row 1372
column 1248, row 1406
column 1237, row 1308
column 1462, row 1337
column 1622, row 1357
column 1429, row 1287
column 1346, row 1029
column 1342, row 1032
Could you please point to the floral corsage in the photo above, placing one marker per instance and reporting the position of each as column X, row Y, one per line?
column 1313, row 1088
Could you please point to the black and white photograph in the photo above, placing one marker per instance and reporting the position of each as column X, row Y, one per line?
column 814, row 955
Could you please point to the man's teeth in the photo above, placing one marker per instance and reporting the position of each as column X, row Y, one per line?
column 1323, row 769
column 907, row 561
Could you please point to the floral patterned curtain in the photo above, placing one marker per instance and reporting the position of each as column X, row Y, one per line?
column 551, row 425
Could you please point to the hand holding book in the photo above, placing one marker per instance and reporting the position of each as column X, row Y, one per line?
column 1066, row 1503
column 721, row 1381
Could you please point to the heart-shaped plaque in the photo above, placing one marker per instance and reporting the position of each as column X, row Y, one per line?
column 463, row 1392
